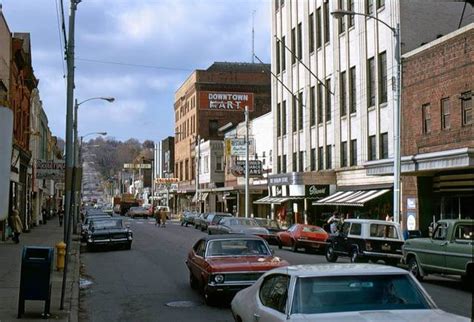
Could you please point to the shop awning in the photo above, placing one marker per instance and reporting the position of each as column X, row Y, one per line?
column 355, row 198
column 271, row 200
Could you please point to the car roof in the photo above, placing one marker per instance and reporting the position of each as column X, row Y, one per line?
column 340, row 269
column 373, row 221
column 452, row 221
column 231, row 236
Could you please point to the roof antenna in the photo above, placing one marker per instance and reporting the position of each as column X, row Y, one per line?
column 253, row 37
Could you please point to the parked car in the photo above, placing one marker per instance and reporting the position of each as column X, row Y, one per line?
column 273, row 229
column 337, row 292
column 449, row 251
column 303, row 236
column 108, row 209
column 237, row 225
column 200, row 219
column 138, row 212
column 209, row 219
column 109, row 232
column 367, row 239
column 215, row 220
column 87, row 221
column 223, row 265
column 188, row 218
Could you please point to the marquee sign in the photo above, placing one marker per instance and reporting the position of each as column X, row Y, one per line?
column 255, row 168
column 225, row 101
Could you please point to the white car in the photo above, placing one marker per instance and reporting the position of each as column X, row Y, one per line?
column 337, row 292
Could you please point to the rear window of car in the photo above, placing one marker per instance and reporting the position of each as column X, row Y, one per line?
column 331, row 294
column 383, row 231
column 356, row 229
column 242, row 222
column 238, row 247
column 312, row 229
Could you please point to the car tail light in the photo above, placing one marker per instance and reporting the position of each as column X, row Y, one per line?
column 368, row 246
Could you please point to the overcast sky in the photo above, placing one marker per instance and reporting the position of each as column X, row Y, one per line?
column 168, row 38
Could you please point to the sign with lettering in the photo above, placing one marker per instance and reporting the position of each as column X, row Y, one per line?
column 50, row 169
column 137, row 166
column 236, row 146
column 255, row 168
column 225, row 101
column 318, row 191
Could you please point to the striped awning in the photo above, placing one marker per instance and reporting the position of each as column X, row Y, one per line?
column 355, row 198
column 271, row 200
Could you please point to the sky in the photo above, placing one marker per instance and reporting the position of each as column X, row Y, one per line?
column 137, row 51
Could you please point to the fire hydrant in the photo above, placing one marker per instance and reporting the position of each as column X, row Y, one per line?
column 61, row 254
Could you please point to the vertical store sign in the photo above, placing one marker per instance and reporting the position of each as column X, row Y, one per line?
column 6, row 133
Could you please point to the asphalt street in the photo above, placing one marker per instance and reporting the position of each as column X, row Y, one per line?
column 150, row 281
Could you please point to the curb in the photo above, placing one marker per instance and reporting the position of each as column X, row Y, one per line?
column 74, row 300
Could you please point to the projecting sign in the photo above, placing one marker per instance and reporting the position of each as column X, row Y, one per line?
column 236, row 147
column 137, row 166
column 255, row 168
column 225, row 101
column 49, row 169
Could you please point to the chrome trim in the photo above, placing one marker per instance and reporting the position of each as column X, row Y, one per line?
column 382, row 254
column 233, row 283
column 405, row 249
column 312, row 241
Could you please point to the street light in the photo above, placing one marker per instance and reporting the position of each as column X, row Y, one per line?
column 338, row 14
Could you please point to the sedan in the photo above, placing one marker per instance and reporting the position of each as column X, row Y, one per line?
column 88, row 220
column 109, row 232
column 223, row 265
column 188, row 218
column 233, row 225
column 210, row 219
column 138, row 212
column 303, row 236
column 337, row 292
column 273, row 228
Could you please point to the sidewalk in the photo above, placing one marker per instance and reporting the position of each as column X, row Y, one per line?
column 10, row 267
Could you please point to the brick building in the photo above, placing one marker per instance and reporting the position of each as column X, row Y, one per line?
column 438, row 128
column 206, row 101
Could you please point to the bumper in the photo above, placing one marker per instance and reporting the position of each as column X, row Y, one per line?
column 227, row 288
column 382, row 255
column 312, row 243
column 109, row 242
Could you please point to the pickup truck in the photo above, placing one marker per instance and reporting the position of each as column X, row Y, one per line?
column 449, row 251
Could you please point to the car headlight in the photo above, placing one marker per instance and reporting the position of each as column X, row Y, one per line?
column 219, row 278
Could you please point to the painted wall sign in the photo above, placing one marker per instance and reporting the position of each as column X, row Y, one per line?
column 317, row 190
column 225, row 101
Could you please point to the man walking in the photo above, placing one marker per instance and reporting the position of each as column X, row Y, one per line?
column 17, row 225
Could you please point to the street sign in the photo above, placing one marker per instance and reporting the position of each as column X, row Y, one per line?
column 50, row 169
column 255, row 168
column 137, row 166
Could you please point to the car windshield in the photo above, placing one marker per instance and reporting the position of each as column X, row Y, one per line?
column 237, row 247
column 357, row 293
column 267, row 223
column 242, row 222
column 313, row 229
column 107, row 224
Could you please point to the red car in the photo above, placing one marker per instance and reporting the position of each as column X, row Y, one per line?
column 303, row 236
column 224, row 264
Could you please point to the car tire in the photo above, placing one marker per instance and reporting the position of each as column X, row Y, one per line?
column 354, row 256
column 186, row 225
column 294, row 246
column 414, row 268
column 193, row 282
column 330, row 255
column 128, row 246
column 280, row 246
column 210, row 299
column 209, row 232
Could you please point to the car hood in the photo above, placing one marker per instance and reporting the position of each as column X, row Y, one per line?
column 241, row 229
column 389, row 315
column 245, row 263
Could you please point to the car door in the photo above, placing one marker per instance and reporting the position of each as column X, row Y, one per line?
column 272, row 299
column 459, row 248
column 197, row 258
column 219, row 227
column 437, row 248
column 341, row 242
column 285, row 236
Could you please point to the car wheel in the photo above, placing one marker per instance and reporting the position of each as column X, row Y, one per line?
column 330, row 255
column 193, row 282
column 414, row 268
column 280, row 246
column 203, row 228
column 354, row 256
column 209, row 232
column 294, row 246
column 209, row 298
column 128, row 246
column 186, row 224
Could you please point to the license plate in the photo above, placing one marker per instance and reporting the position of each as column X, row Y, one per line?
column 386, row 247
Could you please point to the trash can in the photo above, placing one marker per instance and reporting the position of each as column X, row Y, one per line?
column 35, row 281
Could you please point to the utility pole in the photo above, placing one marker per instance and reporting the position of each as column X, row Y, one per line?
column 69, row 143
column 246, row 162
column 76, row 164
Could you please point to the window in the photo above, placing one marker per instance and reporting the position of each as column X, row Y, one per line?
column 206, row 164
column 342, row 21
column 326, row 22
column 352, row 90
column 213, row 128
column 311, row 32
column 342, row 94
column 369, row 7
column 445, row 120
column 300, row 111
column 199, row 248
column 320, row 158
column 283, row 166
column 318, row 28
column 293, row 114
column 283, row 119
column 186, row 169
column 380, row 3
column 356, row 229
column 300, row 41
column 353, row 152
column 328, row 99
column 270, row 156
column 219, row 163
column 301, row 162
column 350, row 7
column 466, row 106
column 372, row 153
column 279, row 164
column 313, row 159
column 294, row 162
column 312, row 106
column 344, row 154
column 293, row 46
column 282, row 3
column 328, row 157
column 426, row 115
column 320, row 103
column 278, row 66
column 283, row 53
column 463, row 232
column 383, row 231
column 274, row 292
column 277, row 5
column 383, row 77
column 278, row 120
column 371, row 82
column 384, row 145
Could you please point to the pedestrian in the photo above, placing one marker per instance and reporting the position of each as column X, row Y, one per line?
column 61, row 216
column 332, row 221
column 43, row 215
column 16, row 224
column 157, row 215
column 164, row 212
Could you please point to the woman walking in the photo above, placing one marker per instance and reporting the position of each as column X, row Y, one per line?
column 17, row 225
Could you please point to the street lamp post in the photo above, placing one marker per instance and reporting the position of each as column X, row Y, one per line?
column 338, row 14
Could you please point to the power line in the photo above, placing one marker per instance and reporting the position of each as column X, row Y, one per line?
column 59, row 36
column 88, row 60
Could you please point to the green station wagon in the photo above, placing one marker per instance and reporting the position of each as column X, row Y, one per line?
column 450, row 250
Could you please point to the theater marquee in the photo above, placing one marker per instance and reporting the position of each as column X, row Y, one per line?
column 225, row 101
